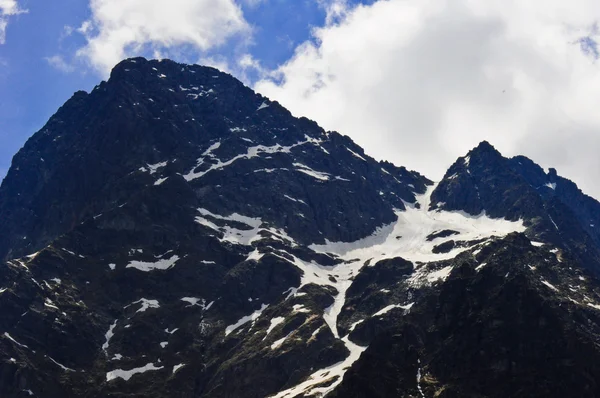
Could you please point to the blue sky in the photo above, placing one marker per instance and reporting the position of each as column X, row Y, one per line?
column 415, row 82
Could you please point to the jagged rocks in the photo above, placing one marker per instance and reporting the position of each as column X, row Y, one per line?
column 174, row 234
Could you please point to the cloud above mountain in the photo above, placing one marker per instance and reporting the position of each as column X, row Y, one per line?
column 121, row 28
column 421, row 82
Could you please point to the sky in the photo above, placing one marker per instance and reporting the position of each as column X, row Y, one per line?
column 415, row 82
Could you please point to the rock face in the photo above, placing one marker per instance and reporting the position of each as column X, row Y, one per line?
column 174, row 234
column 553, row 208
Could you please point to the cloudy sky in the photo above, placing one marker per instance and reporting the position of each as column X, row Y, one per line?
column 416, row 82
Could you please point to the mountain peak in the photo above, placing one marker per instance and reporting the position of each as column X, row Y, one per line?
column 156, row 65
column 484, row 181
column 484, row 146
column 486, row 151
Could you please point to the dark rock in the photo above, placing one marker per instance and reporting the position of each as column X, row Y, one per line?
column 441, row 234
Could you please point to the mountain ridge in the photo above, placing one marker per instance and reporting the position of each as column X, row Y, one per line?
column 185, row 236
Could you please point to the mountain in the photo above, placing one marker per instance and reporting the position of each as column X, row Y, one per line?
column 174, row 234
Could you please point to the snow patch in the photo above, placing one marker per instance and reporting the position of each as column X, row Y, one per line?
column 8, row 336
column 153, row 168
column 300, row 308
column 279, row 342
column 438, row 275
column 356, row 155
column 248, row 318
column 48, row 303
column 177, row 367
column 241, row 236
column 295, row 200
column 263, row 106
column 108, row 335
column 145, row 304
column 161, row 264
column 255, row 255
column 193, row 301
column 59, row 365
column 419, row 379
column 550, row 285
column 251, row 152
column 354, row 325
column 274, row 322
column 128, row 374
column 387, row 309
column 313, row 173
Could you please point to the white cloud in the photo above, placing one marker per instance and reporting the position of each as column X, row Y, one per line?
column 335, row 10
column 421, row 82
column 58, row 62
column 8, row 8
column 121, row 28
column 249, row 69
column 218, row 62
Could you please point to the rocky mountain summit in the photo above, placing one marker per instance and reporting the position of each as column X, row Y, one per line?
column 175, row 234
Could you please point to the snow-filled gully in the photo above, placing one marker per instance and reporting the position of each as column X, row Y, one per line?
column 406, row 238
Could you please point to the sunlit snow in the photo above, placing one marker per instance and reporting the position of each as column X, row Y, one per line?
column 334, row 372
column 387, row 309
column 242, row 236
column 109, row 334
column 279, row 342
column 8, row 336
column 407, row 236
column 251, row 152
column 248, row 318
column 274, row 322
column 177, row 367
column 145, row 304
column 128, row 374
column 161, row 264
column 550, row 285
column 319, row 175
column 194, row 301
column 263, row 106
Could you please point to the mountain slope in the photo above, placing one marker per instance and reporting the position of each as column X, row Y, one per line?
column 174, row 234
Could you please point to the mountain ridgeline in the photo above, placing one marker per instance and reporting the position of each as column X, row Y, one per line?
column 175, row 234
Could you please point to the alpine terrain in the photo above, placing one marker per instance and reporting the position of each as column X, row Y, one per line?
column 174, row 234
